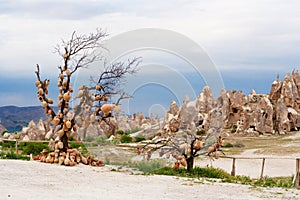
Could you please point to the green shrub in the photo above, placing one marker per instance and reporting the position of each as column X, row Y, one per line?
column 120, row 132
column 101, row 140
column 200, row 132
column 126, row 138
column 12, row 155
column 148, row 166
column 34, row 148
column 228, row 145
column 139, row 138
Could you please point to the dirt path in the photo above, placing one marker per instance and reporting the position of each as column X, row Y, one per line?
column 35, row 180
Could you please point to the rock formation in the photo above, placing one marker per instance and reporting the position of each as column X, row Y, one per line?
column 277, row 112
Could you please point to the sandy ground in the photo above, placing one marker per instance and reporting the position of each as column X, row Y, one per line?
column 274, row 167
column 35, row 180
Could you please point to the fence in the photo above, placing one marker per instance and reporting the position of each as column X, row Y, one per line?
column 233, row 165
column 296, row 179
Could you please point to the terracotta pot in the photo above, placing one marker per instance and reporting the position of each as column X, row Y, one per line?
column 106, row 108
column 183, row 162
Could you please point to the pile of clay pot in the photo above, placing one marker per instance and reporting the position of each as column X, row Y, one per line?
column 69, row 158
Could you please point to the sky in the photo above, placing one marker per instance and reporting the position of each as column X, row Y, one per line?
column 249, row 42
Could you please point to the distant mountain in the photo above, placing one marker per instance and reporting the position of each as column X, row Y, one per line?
column 13, row 117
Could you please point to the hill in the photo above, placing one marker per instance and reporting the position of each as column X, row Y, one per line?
column 13, row 117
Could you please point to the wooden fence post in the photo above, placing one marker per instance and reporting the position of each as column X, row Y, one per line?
column 262, row 168
column 233, row 167
column 297, row 175
column 17, row 151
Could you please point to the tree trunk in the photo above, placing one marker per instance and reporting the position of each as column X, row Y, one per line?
column 190, row 163
column 64, row 140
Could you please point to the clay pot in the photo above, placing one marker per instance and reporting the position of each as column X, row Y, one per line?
column 68, row 72
column 61, row 160
column 68, row 124
column 118, row 109
column 217, row 154
column 44, row 104
column 105, row 98
column 40, row 91
column 180, row 157
column 52, row 154
column 98, row 87
column 67, row 161
column 60, row 145
column 67, row 96
column 78, row 159
column 92, row 118
column 60, row 133
column 84, row 160
column 183, row 162
column 75, row 128
column 60, row 96
column 198, row 144
column 176, row 165
column 37, row 83
column 106, row 108
column 98, row 97
column 80, row 94
column 81, row 87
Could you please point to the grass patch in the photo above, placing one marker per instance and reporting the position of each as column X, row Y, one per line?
column 12, row 155
column 197, row 172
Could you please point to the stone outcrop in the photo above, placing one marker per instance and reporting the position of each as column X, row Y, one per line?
column 277, row 112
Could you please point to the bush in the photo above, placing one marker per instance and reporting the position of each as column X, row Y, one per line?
column 101, row 140
column 33, row 148
column 228, row 145
column 139, row 138
column 148, row 166
column 120, row 132
column 200, row 132
column 14, row 156
column 126, row 138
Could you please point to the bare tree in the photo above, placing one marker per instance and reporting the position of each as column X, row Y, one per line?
column 182, row 144
column 97, row 102
column 77, row 52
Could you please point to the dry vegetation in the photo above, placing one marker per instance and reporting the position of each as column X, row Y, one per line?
column 278, row 145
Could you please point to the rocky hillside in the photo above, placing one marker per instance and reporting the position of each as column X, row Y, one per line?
column 276, row 112
column 13, row 117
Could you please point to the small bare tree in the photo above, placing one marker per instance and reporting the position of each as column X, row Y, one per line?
column 77, row 52
column 182, row 144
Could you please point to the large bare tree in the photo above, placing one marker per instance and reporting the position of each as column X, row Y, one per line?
column 77, row 52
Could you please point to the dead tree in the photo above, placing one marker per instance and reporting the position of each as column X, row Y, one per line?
column 98, row 102
column 77, row 52
column 182, row 144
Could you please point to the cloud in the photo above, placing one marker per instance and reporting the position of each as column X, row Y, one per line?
column 238, row 35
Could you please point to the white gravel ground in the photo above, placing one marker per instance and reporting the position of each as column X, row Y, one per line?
column 35, row 180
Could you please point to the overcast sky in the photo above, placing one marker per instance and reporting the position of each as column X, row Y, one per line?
column 249, row 41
